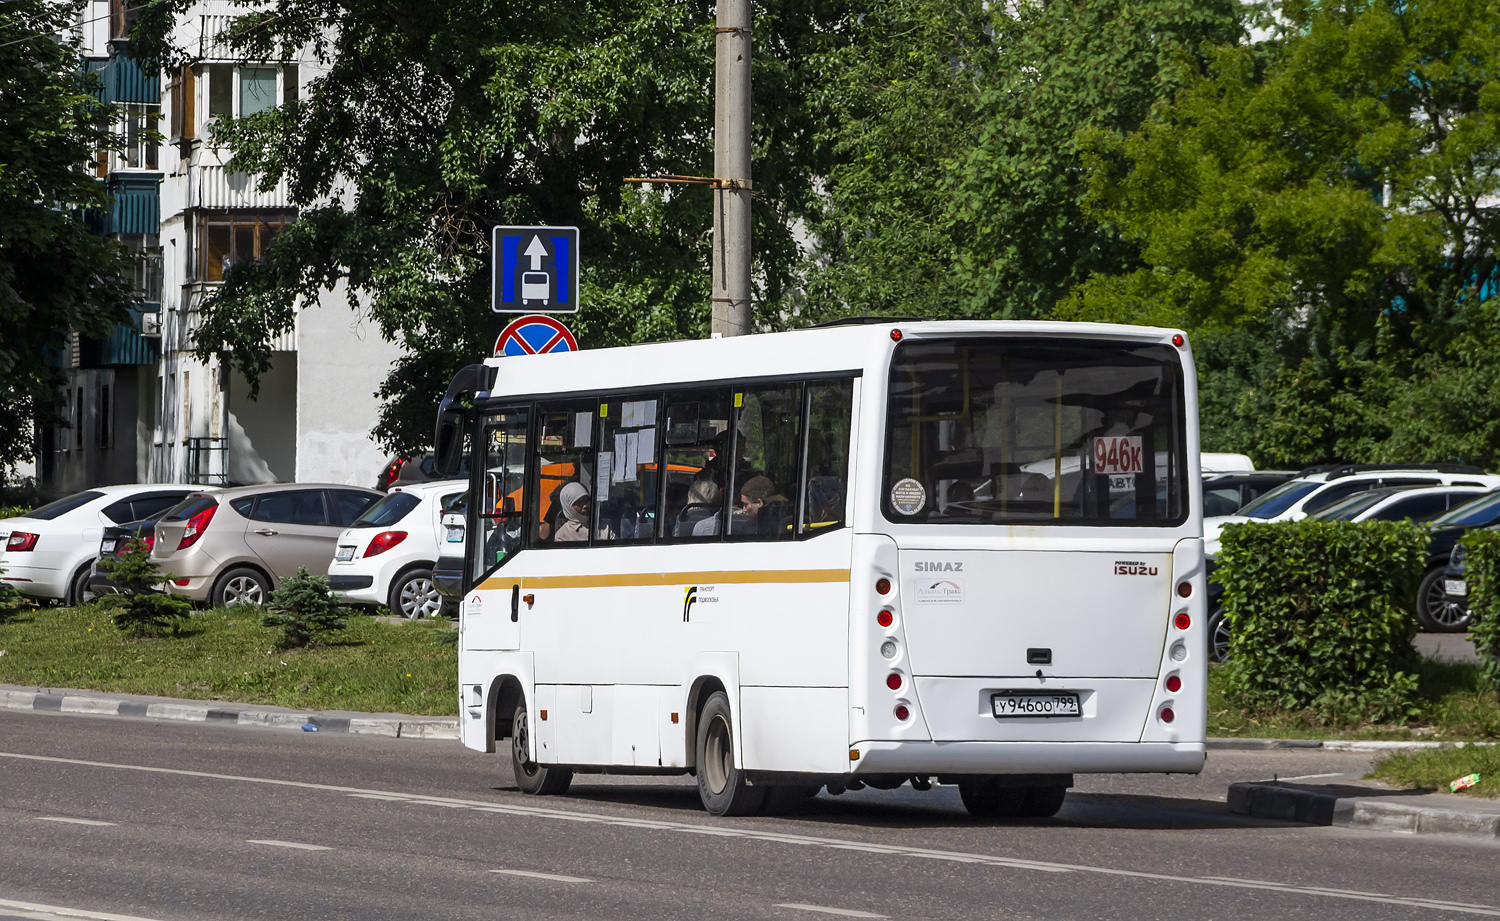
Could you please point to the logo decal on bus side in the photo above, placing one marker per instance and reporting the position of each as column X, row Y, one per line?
column 1133, row 568
column 940, row 567
column 943, row 591
column 692, row 596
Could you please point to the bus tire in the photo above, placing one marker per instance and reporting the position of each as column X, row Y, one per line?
column 986, row 798
column 1043, row 802
column 722, row 786
column 531, row 777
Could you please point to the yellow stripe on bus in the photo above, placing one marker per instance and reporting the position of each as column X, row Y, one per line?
column 628, row 579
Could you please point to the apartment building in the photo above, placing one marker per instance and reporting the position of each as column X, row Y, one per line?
column 141, row 406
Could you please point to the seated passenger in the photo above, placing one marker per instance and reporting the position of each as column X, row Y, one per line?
column 764, row 507
column 700, row 515
column 574, row 500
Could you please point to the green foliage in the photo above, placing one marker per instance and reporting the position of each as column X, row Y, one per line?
column 138, row 608
column 1321, row 619
column 10, row 600
column 303, row 608
column 55, row 276
column 1482, row 562
column 1435, row 769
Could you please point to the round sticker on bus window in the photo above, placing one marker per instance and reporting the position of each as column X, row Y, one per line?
column 908, row 496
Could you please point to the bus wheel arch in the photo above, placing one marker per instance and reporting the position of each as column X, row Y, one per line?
column 505, row 695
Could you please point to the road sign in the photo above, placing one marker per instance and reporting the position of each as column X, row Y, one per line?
column 535, row 269
column 534, row 335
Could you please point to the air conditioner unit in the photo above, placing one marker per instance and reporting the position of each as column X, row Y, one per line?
column 151, row 324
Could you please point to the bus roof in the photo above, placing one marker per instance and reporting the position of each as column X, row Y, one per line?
column 828, row 350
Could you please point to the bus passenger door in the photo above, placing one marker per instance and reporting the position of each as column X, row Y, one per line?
column 494, row 609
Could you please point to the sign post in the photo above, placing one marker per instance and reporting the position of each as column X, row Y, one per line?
column 535, row 270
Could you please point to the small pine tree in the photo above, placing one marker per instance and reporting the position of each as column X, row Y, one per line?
column 139, row 608
column 302, row 608
column 10, row 600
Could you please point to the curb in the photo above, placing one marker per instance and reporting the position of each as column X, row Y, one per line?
column 1351, row 745
column 161, row 708
column 1345, row 806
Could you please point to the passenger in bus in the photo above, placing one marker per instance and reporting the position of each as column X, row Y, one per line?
column 763, row 506
column 574, row 500
column 700, row 516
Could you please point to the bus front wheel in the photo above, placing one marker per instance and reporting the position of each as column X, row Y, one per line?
column 721, row 786
column 532, row 777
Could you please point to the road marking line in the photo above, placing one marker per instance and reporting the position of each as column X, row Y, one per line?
column 846, row 912
column 552, row 876
column 537, row 812
column 292, row 844
column 1312, row 776
column 68, row 912
column 70, row 821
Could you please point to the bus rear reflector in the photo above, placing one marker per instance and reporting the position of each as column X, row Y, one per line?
column 1174, row 683
column 1167, row 715
column 893, row 681
column 902, row 713
column 883, row 586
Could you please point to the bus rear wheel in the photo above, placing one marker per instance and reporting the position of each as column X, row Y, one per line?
column 531, row 777
column 987, row 798
column 722, row 787
column 1043, row 802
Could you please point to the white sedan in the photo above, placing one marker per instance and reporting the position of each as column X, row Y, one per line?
column 48, row 552
column 386, row 556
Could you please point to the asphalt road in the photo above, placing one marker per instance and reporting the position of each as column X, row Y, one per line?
column 172, row 822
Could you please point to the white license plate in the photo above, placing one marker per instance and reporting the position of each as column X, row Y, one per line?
column 107, row 547
column 455, row 535
column 1032, row 703
column 344, row 555
column 1456, row 586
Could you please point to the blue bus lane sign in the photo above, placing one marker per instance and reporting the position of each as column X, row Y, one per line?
column 535, row 270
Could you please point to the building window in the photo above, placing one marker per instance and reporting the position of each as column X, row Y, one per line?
column 139, row 126
column 241, row 90
column 148, row 265
column 226, row 240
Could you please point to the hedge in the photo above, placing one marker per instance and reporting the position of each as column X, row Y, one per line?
column 1320, row 616
column 1482, row 559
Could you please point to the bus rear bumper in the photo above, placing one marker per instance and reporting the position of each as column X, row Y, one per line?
column 920, row 758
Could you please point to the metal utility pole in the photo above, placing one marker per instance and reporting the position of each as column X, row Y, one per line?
column 731, row 273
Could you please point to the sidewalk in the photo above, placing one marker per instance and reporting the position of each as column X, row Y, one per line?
column 1349, row 801
column 98, row 703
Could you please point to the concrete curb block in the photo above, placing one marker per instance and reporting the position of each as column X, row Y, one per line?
column 1325, row 806
column 232, row 715
column 1353, row 745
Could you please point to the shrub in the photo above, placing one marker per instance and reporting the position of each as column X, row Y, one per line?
column 1320, row 616
column 1482, row 559
column 303, row 607
column 10, row 600
column 139, row 609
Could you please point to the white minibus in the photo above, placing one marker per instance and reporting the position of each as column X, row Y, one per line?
column 860, row 555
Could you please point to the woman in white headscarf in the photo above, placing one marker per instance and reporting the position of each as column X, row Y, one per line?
column 574, row 499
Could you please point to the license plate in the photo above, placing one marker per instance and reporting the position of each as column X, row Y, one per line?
column 1456, row 586
column 455, row 535
column 345, row 554
column 107, row 547
column 1033, row 703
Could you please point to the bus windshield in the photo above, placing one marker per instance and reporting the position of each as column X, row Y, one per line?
column 1036, row 431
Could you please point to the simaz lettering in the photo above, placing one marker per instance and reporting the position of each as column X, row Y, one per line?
column 1133, row 568
column 940, row 567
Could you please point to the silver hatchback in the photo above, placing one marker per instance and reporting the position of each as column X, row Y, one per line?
column 235, row 546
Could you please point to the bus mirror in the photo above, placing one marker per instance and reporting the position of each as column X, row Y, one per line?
column 448, row 442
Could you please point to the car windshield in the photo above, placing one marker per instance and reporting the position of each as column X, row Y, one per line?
column 1476, row 514
column 389, row 510
column 1035, row 431
column 1348, row 509
column 62, row 506
column 1279, row 499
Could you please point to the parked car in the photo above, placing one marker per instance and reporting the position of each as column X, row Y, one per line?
column 1399, row 503
column 1443, row 602
column 388, row 554
column 1317, row 488
column 1227, row 493
column 235, row 547
column 49, row 552
column 409, row 471
column 117, row 541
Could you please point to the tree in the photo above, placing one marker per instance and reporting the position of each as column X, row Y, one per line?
column 429, row 123
column 55, row 276
column 1332, row 192
column 303, row 608
column 959, row 186
column 140, row 608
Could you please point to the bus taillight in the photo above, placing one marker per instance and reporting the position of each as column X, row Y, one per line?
column 1174, row 683
column 1183, row 621
column 884, row 618
column 1184, row 589
column 893, row 681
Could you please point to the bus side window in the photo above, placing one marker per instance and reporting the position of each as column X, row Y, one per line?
column 503, row 440
column 563, row 480
column 625, row 479
column 768, row 446
column 825, row 481
column 696, row 435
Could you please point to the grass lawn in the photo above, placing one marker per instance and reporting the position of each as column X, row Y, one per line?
column 1455, row 705
column 1436, row 768
column 224, row 654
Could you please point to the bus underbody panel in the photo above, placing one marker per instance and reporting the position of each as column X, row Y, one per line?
column 924, row 758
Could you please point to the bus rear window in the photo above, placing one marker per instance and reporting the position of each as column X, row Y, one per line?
column 1035, row 431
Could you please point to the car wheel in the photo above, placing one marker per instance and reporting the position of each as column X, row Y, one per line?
column 531, row 777
column 240, row 586
column 1435, row 612
column 78, row 590
column 722, row 786
column 1219, row 636
column 414, row 595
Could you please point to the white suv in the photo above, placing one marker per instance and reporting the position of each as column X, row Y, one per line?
column 1317, row 488
column 386, row 556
